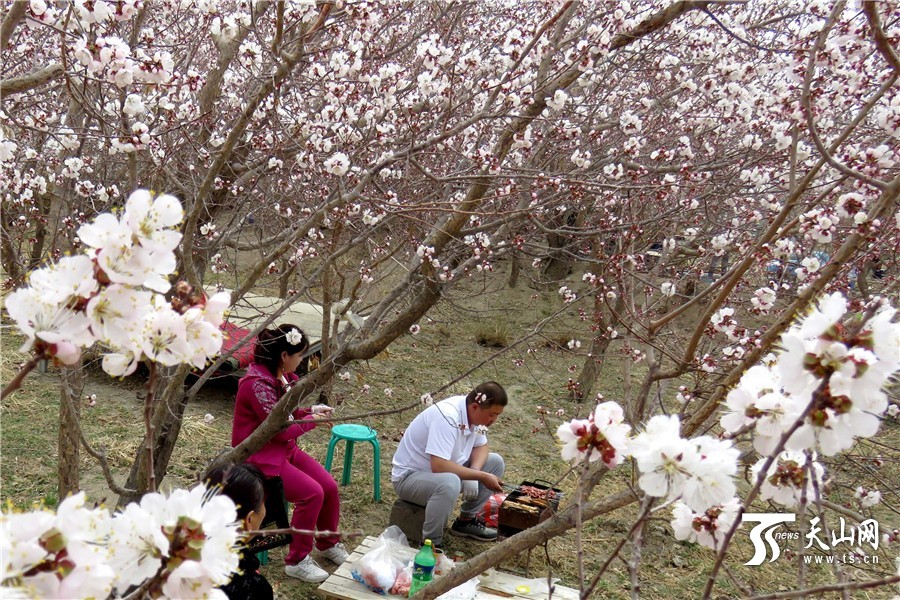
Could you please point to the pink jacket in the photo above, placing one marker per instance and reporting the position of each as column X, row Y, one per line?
column 258, row 392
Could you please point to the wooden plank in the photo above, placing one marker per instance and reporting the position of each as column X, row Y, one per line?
column 336, row 591
column 507, row 583
column 340, row 590
column 494, row 585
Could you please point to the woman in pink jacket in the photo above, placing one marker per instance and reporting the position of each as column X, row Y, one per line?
column 311, row 489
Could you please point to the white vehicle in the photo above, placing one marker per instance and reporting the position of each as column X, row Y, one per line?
column 251, row 311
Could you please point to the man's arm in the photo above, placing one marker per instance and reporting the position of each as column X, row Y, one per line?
column 478, row 457
column 490, row 481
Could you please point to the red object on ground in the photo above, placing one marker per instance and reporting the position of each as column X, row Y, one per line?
column 243, row 356
column 491, row 510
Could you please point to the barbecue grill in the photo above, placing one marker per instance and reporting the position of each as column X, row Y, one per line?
column 525, row 505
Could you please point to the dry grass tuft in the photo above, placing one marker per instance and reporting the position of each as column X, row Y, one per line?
column 495, row 334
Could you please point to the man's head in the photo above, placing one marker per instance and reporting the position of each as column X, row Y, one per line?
column 485, row 403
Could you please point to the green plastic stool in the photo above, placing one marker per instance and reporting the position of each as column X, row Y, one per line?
column 355, row 433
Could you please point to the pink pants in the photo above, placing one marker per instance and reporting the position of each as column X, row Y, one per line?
column 317, row 505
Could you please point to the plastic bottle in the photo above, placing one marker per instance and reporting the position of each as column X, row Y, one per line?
column 423, row 568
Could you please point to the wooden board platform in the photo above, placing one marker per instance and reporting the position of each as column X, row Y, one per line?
column 493, row 586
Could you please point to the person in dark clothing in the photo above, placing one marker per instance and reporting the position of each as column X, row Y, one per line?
column 244, row 484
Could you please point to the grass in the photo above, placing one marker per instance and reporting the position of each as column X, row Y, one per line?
column 445, row 348
column 493, row 335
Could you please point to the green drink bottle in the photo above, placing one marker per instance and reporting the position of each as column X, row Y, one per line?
column 423, row 568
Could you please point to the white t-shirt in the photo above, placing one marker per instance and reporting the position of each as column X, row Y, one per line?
column 440, row 430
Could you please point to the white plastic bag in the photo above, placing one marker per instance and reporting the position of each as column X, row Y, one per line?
column 464, row 591
column 443, row 564
column 379, row 568
column 395, row 535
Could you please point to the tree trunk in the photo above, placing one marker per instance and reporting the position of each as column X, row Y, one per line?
column 9, row 257
column 40, row 235
column 68, row 477
column 559, row 247
column 284, row 280
column 514, row 270
column 593, row 363
column 861, row 283
column 558, row 264
column 168, row 417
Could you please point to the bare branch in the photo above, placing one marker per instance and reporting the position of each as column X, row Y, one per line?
column 881, row 39
column 18, row 85
column 27, row 368
column 100, row 455
column 11, row 20
column 836, row 587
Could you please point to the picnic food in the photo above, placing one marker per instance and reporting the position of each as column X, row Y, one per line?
column 401, row 584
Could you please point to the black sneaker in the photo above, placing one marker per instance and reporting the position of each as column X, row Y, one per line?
column 473, row 528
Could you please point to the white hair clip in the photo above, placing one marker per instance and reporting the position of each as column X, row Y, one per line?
column 294, row 337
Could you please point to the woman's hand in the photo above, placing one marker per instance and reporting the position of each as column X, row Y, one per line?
column 321, row 411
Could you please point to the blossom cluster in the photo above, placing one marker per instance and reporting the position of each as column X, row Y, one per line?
column 707, row 528
column 790, row 477
column 824, row 388
column 867, row 498
column 602, row 436
column 698, row 470
column 829, row 376
column 182, row 546
column 112, row 293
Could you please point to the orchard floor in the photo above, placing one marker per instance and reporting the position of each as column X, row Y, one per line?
column 414, row 365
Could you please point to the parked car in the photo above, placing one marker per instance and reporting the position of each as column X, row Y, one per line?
column 249, row 312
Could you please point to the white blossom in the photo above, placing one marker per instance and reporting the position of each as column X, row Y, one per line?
column 338, row 164
column 558, row 101
column 707, row 528
column 867, row 498
column 134, row 105
column 699, row 471
column 602, row 436
column 788, row 476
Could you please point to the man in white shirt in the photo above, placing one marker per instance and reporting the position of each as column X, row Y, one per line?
column 443, row 452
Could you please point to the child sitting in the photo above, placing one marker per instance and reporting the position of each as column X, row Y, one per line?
column 243, row 483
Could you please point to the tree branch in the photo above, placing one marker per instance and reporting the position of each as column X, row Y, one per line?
column 816, row 592
column 13, row 17
column 17, row 85
column 27, row 368
column 553, row 527
column 655, row 22
column 870, row 9
column 806, row 102
column 100, row 455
